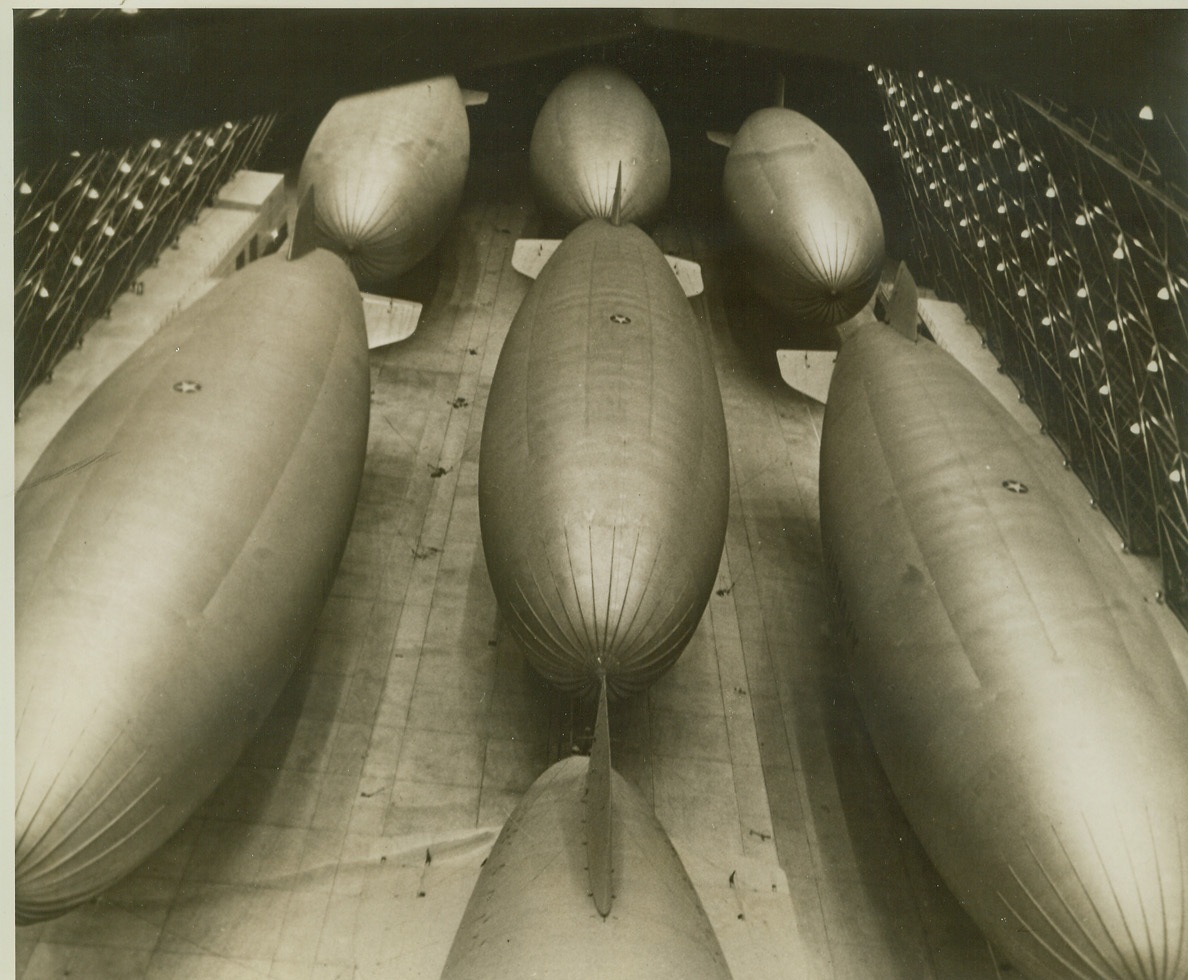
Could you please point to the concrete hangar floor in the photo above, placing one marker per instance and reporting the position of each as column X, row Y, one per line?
column 347, row 839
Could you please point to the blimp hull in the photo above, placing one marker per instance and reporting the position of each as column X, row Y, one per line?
column 603, row 473
column 388, row 168
column 174, row 546
column 596, row 119
column 530, row 914
column 1027, row 710
column 809, row 225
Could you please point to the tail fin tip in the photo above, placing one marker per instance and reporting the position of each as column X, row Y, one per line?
column 599, row 810
column 617, row 206
column 304, row 238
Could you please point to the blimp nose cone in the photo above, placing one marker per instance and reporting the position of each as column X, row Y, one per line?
column 1124, row 903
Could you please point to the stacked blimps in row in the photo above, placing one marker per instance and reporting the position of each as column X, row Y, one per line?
column 177, row 539
column 1024, row 705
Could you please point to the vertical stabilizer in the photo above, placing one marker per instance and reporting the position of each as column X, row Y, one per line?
column 598, row 810
column 779, row 97
column 304, row 237
column 617, row 207
column 902, row 309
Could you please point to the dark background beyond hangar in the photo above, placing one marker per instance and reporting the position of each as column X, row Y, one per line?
column 92, row 79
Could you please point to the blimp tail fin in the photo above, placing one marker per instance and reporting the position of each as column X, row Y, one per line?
column 388, row 319
column 903, row 306
column 599, row 810
column 304, row 237
column 688, row 274
column 722, row 139
column 617, row 206
column 779, row 97
column 530, row 255
column 471, row 97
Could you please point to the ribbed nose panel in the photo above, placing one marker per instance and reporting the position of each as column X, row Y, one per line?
column 1105, row 898
column 594, row 121
column 599, row 607
column 78, row 821
column 388, row 167
column 808, row 219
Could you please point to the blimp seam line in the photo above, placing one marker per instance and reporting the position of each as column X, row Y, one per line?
column 1088, row 583
column 1118, row 902
column 34, row 870
column 158, row 372
column 1089, row 898
column 299, row 435
column 594, row 589
column 986, row 508
column 588, row 360
column 906, row 516
column 1063, row 960
column 613, row 639
column 25, row 862
column 561, row 642
column 577, row 596
column 642, row 595
column 812, row 261
column 1159, row 892
column 95, row 858
column 53, row 784
column 654, row 655
column 574, row 631
column 545, row 647
column 589, row 199
column 1183, row 902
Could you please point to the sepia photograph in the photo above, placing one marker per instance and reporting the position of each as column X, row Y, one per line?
column 599, row 492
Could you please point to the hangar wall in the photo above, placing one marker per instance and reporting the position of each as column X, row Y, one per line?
column 1065, row 239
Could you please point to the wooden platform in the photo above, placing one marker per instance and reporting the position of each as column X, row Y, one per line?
column 346, row 841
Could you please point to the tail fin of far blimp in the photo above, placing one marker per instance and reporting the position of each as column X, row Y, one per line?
column 304, row 237
column 902, row 309
column 599, row 810
column 389, row 319
column 617, row 206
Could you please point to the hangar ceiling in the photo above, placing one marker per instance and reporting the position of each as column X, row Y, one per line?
column 87, row 78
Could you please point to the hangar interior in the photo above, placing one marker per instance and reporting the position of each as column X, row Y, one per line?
column 347, row 838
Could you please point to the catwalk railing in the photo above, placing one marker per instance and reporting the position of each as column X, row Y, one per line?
column 87, row 227
column 1066, row 242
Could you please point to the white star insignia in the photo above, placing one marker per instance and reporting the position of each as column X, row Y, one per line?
column 620, row 318
column 187, row 387
column 1014, row 486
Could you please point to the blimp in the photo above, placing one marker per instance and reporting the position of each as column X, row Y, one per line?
column 173, row 547
column 388, row 168
column 1026, row 707
column 594, row 123
column 809, row 230
column 603, row 468
column 531, row 914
